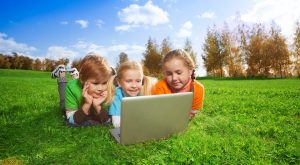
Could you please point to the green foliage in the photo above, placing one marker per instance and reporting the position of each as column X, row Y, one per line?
column 243, row 122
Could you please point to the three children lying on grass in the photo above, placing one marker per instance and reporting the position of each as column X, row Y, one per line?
column 94, row 97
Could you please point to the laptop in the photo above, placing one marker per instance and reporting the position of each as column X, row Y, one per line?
column 153, row 117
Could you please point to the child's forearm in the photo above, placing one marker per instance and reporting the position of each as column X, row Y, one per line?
column 81, row 115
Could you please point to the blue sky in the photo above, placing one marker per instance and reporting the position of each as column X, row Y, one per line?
column 72, row 28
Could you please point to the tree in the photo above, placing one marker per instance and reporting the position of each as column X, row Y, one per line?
column 235, row 63
column 216, row 51
column 62, row 61
column 211, row 49
column 76, row 63
column 255, row 57
column 296, row 51
column 15, row 61
column 49, row 65
column 5, row 62
column 123, row 57
column 37, row 64
column 225, row 46
column 152, row 59
column 165, row 47
column 278, row 57
column 27, row 63
column 188, row 48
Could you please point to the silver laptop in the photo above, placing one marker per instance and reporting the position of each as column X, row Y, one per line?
column 153, row 117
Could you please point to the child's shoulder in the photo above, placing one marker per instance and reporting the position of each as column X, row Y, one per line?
column 198, row 85
column 161, row 83
column 74, row 83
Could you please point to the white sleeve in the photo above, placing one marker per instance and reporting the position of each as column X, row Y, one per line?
column 116, row 121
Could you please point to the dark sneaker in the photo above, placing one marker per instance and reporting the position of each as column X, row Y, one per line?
column 60, row 68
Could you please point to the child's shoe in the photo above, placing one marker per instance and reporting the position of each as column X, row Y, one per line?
column 74, row 73
column 56, row 72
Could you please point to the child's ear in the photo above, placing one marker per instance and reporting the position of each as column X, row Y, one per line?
column 191, row 72
column 118, row 82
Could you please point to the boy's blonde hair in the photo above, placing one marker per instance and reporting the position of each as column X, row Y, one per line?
column 96, row 67
column 148, row 82
column 182, row 55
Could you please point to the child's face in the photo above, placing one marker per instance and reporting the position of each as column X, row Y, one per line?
column 96, row 88
column 131, row 82
column 176, row 73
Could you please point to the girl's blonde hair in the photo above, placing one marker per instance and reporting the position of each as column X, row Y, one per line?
column 182, row 55
column 96, row 67
column 148, row 82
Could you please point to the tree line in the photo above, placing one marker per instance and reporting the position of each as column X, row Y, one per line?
column 251, row 51
column 16, row 61
column 152, row 58
column 245, row 51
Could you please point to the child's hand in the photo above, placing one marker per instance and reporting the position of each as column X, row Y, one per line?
column 88, row 99
column 99, row 100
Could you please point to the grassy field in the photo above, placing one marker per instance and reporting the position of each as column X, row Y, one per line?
column 243, row 122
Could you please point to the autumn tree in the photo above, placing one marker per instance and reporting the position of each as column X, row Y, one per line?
column 165, row 46
column 225, row 48
column 257, row 61
column 188, row 48
column 277, row 53
column 296, row 50
column 75, row 64
column 216, row 51
column 37, row 64
column 4, row 62
column 123, row 57
column 14, row 60
column 62, row 61
column 152, row 59
column 211, row 50
column 49, row 64
column 27, row 63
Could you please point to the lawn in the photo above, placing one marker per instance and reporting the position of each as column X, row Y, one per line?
column 242, row 122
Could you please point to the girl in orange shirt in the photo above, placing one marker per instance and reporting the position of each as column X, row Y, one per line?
column 179, row 74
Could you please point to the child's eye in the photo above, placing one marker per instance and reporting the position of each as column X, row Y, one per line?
column 168, row 73
column 104, row 83
column 179, row 72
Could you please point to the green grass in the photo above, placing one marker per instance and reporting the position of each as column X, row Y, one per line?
column 243, row 122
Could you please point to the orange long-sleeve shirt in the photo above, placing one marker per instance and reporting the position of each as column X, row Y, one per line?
column 161, row 87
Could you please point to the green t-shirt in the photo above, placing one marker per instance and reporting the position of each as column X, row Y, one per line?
column 73, row 96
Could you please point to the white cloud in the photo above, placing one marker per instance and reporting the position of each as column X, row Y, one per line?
column 284, row 13
column 57, row 52
column 207, row 15
column 83, row 23
column 125, row 27
column 111, row 53
column 9, row 45
column 135, row 16
column 185, row 30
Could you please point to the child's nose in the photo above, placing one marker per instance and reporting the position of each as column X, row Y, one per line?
column 100, row 87
column 174, row 77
